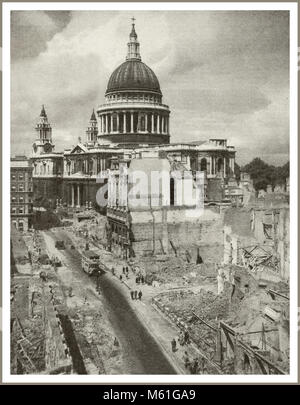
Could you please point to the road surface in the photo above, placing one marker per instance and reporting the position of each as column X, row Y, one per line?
column 142, row 353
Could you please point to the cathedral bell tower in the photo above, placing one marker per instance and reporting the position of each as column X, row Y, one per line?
column 43, row 142
column 92, row 130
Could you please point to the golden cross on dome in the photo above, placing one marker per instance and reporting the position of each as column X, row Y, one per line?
column 133, row 20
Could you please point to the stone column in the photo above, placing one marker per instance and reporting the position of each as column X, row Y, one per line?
column 106, row 123
column 224, row 160
column 78, row 195
column 124, row 122
column 118, row 122
column 158, row 124
column 131, row 122
column 210, row 165
column 138, row 126
column 163, row 125
column 232, row 165
column 152, row 123
column 72, row 195
column 111, row 123
column 146, row 122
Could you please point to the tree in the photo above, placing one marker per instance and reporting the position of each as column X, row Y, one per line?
column 263, row 174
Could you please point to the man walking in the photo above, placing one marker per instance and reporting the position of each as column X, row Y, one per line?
column 140, row 295
column 173, row 344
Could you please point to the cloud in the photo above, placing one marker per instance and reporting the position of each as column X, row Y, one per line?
column 224, row 74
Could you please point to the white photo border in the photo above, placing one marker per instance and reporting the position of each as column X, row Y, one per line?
column 159, row 379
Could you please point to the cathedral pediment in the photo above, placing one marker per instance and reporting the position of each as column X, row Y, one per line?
column 79, row 148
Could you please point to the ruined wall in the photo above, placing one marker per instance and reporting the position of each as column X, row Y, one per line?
column 282, row 242
column 153, row 231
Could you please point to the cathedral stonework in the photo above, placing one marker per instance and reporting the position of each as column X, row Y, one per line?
column 133, row 112
column 133, row 123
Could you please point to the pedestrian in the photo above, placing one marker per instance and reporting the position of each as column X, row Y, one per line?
column 186, row 360
column 195, row 366
column 121, row 277
column 116, row 342
column 127, row 271
column 140, row 295
column 132, row 294
column 123, row 270
column 142, row 279
column 137, row 280
column 186, row 337
column 173, row 344
column 135, row 294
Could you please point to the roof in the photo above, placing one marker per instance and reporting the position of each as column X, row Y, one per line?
column 133, row 75
column 93, row 116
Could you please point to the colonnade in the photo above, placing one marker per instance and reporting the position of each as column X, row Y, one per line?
column 133, row 122
column 217, row 164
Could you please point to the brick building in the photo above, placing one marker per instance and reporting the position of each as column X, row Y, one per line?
column 21, row 192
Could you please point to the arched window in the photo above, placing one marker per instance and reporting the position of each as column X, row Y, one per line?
column 203, row 165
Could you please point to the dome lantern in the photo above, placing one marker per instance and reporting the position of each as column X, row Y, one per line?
column 133, row 112
column 133, row 44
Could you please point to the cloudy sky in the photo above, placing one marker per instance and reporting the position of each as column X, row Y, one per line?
column 223, row 74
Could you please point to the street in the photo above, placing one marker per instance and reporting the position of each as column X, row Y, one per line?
column 141, row 353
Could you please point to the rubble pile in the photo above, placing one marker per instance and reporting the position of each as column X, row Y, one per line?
column 37, row 336
column 261, row 321
column 172, row 271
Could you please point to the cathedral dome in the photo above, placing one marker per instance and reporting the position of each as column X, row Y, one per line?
column 133, row 75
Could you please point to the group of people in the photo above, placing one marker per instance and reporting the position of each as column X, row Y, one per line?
column 140, row 279
column 136, row 295
column 195, row 366
column 184, row 338
column 125, row 270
